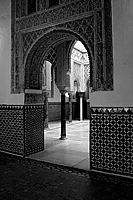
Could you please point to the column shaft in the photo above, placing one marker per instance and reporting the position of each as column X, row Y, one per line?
column 70, row 107
column 63, row 117
column 81, row 108
column 46, row 110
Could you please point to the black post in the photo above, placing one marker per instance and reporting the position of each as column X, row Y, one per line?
column 63, row 117
column 46, row 110
column 70, row 107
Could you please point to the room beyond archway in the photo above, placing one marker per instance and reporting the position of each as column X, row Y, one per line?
column 74, row 151
column 80, row 80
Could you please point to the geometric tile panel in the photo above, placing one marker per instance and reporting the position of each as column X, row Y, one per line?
column 34, row 129
column 54, row 111
column 21, row 129
column 111, row 140
column 11, row 129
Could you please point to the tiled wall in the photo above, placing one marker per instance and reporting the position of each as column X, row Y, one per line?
column 21, row 129
column 34, row 129
column 12, row 129
column 54, row 111
column 111, row 139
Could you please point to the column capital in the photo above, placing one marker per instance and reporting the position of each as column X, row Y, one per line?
column 81, row 94
column 63, row 92
column 63, row 88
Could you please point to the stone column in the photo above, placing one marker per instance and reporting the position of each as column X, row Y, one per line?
column 46, row 110
column 70, row 107
column 81, row 105
column 63, row 116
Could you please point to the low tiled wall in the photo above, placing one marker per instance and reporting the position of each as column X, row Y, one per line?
column 34, row 129
column 54, row 111
column 111, row 140
column 12, row 129
column 21, row 130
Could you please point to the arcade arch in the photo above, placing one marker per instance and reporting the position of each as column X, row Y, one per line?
column 62, row 41
column 39, row 52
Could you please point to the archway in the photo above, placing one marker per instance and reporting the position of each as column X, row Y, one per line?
column 37, row 53
column 60, row 40
column 32, row 37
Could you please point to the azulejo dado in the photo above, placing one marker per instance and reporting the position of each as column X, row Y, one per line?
column 112, row 139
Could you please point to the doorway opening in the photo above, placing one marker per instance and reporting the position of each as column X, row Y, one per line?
column 74, row 151
column 80, row 81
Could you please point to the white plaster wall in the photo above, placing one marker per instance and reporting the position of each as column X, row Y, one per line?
column 123, row 58
column 57, row 95
column 5, row 56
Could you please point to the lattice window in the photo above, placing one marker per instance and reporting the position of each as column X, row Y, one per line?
column 52, row 58
column 86, row 73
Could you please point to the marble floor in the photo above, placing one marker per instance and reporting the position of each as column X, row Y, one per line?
column 72, row 152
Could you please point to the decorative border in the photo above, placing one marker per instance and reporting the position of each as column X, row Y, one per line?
column 13, row 24
column 108, row 46
column 112, row 110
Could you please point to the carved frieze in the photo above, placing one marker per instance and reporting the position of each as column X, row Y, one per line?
column 108, row 47
column 66, row 11
column 99, row 49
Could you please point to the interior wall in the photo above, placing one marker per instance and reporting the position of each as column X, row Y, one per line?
column 123, row 58
column 5, row 56
column 122, row 50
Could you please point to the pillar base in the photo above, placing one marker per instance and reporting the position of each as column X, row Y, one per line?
column 63, row 138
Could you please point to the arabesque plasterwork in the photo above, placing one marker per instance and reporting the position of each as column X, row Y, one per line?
column 82, row 19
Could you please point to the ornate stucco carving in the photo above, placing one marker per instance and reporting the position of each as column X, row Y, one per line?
column 57, row 14
column 88, row 21
column 80, row 69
